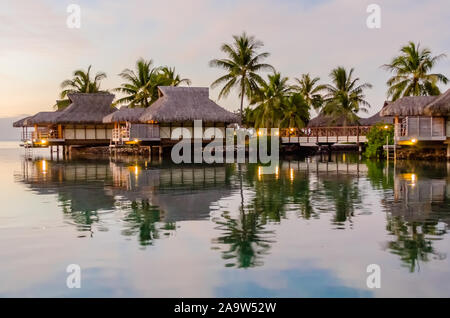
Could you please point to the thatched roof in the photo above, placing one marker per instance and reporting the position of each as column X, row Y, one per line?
column 86, row 109
column 124, row 114
column 375, row 119
column 407, row 106
column 328, row 121
column 22, row 122
column 43, row 118
column 177, row 104
column 440, row 106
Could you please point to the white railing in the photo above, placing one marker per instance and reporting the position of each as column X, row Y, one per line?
column 121, row 134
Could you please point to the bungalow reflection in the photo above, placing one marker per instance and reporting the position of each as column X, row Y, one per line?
column 419, row 212
column 148, row 200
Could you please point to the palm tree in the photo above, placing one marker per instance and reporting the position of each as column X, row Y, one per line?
column 310, row 90
column 411, row 73
column 80, row 83
column 242, row 65
column 345, row 98
column 269, row 99
column 141, row 84
column 294, row 111
column 170, row 78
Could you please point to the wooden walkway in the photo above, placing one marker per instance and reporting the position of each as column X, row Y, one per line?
column 325, row 135
column 326, row 167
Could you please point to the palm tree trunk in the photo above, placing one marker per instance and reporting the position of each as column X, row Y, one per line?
column 242, row 98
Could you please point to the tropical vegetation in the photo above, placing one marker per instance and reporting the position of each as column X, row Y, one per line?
column 345, row 97
column 80, row 83
column 310, row 90
column 379, row 135
column 242, row 64
column 140, row 85
column 273, row 101
column 412, row 72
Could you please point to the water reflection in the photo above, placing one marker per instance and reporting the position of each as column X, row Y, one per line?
column 419, row 213
column 150, row 201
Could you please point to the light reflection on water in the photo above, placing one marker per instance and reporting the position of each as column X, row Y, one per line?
column 140, row 227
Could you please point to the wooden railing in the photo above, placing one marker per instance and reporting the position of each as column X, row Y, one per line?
column 325, row 131
column 40, row 135
column 121, row 134
column 316, row 135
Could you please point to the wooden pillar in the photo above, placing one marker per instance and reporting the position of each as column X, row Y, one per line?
column 448, row 151
column 60, row 134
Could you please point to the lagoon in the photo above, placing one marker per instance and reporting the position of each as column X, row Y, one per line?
column 148, row 228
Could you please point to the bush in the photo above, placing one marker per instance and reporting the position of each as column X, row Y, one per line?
column 376, row 139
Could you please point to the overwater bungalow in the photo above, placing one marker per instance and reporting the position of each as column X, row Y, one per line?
column 176, row 107
column 90, row 120
column 421, row 120
column 81, row 123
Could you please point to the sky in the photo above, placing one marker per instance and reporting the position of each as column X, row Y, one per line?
column 38, row 51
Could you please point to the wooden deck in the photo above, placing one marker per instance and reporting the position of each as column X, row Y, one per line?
column 325, row 135
column 326, row 167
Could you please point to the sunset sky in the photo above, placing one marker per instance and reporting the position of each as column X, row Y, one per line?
column 38, row 50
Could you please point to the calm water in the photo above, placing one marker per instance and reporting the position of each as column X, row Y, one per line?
column 141, row 228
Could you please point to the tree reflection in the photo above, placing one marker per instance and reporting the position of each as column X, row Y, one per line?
column 344, row 192
column 413, row 241
column 143, row 220
column 246, row 237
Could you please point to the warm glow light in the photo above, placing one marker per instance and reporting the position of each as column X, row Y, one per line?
column 276, row 133
column 414, row 140
column 260, row 133
column 276, row 172
column 44, row 166
column 43, row 141
column 386, row 126
column 343, row 157
column 412, row 177
column 292, row 129
column 259, row 172
column 291, row 174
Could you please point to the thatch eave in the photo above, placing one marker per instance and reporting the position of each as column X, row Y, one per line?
column 22, row 122
column 440, row 107
column 124, row 114
column 86, row 109
column 407, row 106
column 182, row 104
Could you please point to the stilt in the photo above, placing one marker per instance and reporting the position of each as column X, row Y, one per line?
column 160, row 150
column 448, row 151
column 51, row 152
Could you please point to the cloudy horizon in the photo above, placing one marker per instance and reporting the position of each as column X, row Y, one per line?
column 38, row 50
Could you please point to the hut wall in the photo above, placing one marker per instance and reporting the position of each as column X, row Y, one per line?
column 448, row 127
column 425, row 126
column 166, row 132
column 101, row 133
column 90, row 132
column 144, row 131
column 69, row 132
column 93, row 132
column 80, row 132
